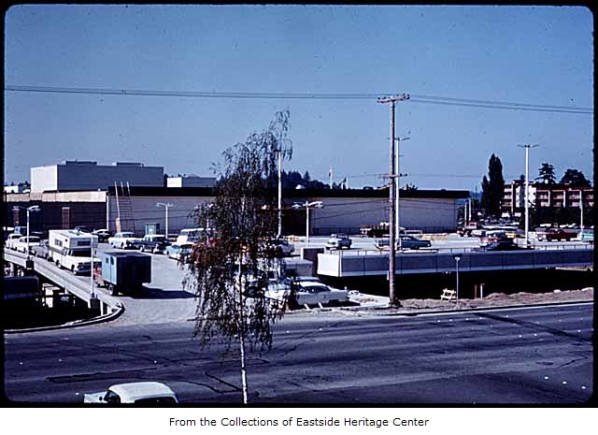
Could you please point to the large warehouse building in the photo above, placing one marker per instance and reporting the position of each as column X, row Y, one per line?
column 342, row 211
column 131, row 196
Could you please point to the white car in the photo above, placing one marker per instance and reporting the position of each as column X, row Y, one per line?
column 20, row 245
column 141, row 393
column 9, row 243
column 124, row 240
column 311, row 291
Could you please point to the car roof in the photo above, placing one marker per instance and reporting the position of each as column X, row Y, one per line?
column 133, row 391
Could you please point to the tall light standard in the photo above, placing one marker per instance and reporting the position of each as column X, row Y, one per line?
column 581, row 212
column 527, row 147
column 308, row 205
column 93, row 242
column 457, row 259
column 397, row 181
column 29, row 210
column 166, row 206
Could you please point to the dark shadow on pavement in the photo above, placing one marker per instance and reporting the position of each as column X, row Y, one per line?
column 157, row 293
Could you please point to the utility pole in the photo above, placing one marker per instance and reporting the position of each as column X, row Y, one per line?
column 392, row 294
column 527, row 147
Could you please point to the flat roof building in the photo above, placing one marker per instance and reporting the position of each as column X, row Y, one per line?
column 88, row 175
column 190, row 181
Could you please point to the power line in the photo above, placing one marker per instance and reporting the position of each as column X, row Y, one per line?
column 423, row 99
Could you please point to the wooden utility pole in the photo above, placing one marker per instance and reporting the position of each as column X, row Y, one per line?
column 392, row 294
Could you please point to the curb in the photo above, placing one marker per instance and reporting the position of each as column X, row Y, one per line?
column 422, row 311
column 114, row 314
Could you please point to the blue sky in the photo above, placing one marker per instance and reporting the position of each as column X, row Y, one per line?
column 529, row 55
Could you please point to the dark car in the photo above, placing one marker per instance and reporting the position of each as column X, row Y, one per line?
column 406, row 242
column 279, row 248
column 103, row 235
column 155, row 243
column 502, row 245
column 558, row 234
column 339, row 241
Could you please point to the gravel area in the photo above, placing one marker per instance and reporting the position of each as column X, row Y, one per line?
column 493, row 300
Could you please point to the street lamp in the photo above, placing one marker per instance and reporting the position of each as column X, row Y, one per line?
column 397, row 182
column 166, row 207
column 92, row 293
column 308, row 205
column 527, row 147
column 29, row 209
column 457, row 258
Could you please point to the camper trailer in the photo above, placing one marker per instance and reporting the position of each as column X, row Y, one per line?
column 70, row 249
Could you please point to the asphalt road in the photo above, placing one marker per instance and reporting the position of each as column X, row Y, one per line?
column 531, row 356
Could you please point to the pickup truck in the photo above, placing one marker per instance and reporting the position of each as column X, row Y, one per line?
column 124, row 240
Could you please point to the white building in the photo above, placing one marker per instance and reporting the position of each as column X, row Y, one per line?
column 190, row 181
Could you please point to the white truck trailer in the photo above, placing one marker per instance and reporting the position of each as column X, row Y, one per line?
column 70, row 249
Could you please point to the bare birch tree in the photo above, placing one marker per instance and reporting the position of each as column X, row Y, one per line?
column 228, row 270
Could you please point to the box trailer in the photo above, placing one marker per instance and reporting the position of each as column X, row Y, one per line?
column 124, row 272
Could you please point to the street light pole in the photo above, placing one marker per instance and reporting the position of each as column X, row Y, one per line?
column 457, row 258
column 166, row 207
column 91, row 269
column 28, row 210
column 398, row 190
column 527, row 147
column 581, row 211
column 308, row 205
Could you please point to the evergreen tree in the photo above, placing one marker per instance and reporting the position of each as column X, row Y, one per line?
column 574, row 178
column 546, row 174
column 493, row 187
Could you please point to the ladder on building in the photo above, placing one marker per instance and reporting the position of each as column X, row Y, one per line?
column 124, row 219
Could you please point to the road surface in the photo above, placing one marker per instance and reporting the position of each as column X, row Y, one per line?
column 530, row 355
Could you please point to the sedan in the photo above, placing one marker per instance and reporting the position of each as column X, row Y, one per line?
column 407, row 242
column 142, row 393
column 338, row 241
column 179, row 252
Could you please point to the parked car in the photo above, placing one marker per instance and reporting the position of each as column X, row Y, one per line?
column 20, row 245
column 339, row 241
column 557, row 234
column 83, row 229
column 281, row 247
column 141, row 393
column 124, row 240
column 502, row 245
column 103, row 234
column 311, row 291
column 407, row 242
column 11, row 240
column 155, row 243
column 41, row 250
column 179, row 252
